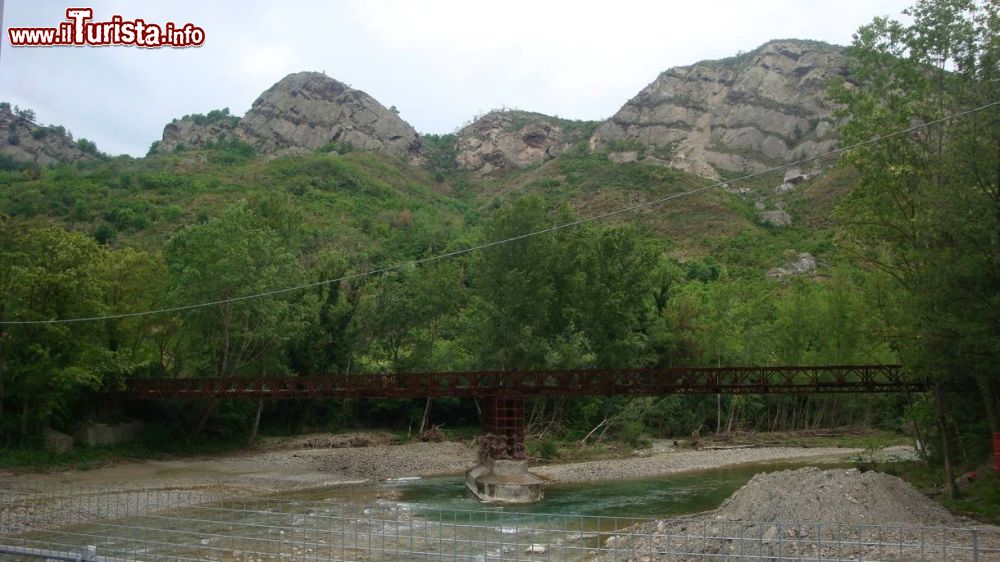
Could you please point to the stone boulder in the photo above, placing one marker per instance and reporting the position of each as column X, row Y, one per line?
column 624, row 156
column 793, row 177
column 777, row 217
column 56, row 442
column 805, row 264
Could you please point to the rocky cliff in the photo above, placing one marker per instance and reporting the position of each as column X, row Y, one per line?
column 25, row 141
column 305, row 110
column 739, row 114
column 197, row 130
column 510, row 139
column 745, row 113
column 310, row 109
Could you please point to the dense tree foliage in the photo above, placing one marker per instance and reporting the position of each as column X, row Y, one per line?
column 926, row 212
column 590, row 296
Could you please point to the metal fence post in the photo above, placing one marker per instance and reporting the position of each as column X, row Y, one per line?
column 975, row 545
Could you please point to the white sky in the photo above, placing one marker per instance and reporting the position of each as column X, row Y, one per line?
column 439, row 62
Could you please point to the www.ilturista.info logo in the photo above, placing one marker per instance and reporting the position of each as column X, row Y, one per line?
column 79, row 30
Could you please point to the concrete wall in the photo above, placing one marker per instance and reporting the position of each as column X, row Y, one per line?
column 101, row 434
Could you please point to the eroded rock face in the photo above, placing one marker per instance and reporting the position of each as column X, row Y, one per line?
column 805, row 264
column 26, row 141
column 507, row 140
column 193, row 131
column 741, row 114
column 303, row 112
column 309, row 109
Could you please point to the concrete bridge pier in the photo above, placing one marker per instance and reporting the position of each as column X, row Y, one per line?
column 502, row 475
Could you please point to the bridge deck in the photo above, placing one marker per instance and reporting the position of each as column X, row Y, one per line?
column 575, row 382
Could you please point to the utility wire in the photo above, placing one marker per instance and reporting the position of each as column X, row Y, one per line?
column 554, row 228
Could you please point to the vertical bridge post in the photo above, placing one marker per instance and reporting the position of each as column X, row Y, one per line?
column 504, row 428
column 502, row 473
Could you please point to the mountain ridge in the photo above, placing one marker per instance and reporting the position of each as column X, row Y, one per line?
column 738, row 114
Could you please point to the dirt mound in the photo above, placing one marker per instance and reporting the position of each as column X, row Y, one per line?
column 813, row 514
column 832, row 496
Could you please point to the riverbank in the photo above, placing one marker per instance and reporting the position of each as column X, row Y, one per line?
column 316, row 461
column 679, row 460
column 292, row 467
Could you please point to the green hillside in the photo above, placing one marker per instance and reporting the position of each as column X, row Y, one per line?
column 169, row 230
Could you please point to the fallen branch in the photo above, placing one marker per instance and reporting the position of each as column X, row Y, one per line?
column 598, row 426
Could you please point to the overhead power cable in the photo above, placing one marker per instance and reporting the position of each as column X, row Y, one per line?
column 471, row 249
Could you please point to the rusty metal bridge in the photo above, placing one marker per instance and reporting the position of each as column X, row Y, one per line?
column 504, row 392
column 536, row 384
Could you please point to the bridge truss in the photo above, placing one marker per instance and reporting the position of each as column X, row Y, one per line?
column 504, row 392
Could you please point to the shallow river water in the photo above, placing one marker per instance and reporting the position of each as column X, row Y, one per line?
column 407, row 519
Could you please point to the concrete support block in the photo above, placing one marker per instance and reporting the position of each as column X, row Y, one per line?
column 503, row 481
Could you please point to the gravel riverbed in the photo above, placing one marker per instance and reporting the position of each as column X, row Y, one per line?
column 36, row 500
column 680, row 460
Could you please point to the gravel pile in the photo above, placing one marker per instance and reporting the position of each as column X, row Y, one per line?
column 814, row 514
column 833, row 496
column 411, row 459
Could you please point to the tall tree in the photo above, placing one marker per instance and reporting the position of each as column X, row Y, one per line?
column 45, row 274
column 926, row 211
column 234, row 255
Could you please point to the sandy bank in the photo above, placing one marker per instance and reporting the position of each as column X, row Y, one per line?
column 671, row 462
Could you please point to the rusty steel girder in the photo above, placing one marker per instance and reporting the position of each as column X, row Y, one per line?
column 556, row 382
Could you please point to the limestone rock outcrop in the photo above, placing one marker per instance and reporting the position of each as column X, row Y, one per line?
column 304, row 111
column 745, row 113
column 511, row 139
column 23, row 140
column 310, row 109
column 803, row 265
column 197, row 130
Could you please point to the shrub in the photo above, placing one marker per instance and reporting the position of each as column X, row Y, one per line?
column 338, row 147
column 105, row 234
column 87, row 146
column 546, row 449
column 25, row 114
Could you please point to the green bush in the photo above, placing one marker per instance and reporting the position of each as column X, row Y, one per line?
column 105, row 234
column 546, row 449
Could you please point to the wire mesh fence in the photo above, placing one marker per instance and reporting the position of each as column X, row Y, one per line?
column 113, row 526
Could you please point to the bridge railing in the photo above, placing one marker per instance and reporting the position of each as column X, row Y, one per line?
column 564, row 382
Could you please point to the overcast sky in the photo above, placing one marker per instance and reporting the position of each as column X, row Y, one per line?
column 439, row 62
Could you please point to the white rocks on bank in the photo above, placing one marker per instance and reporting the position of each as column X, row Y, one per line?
column 805, row 264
